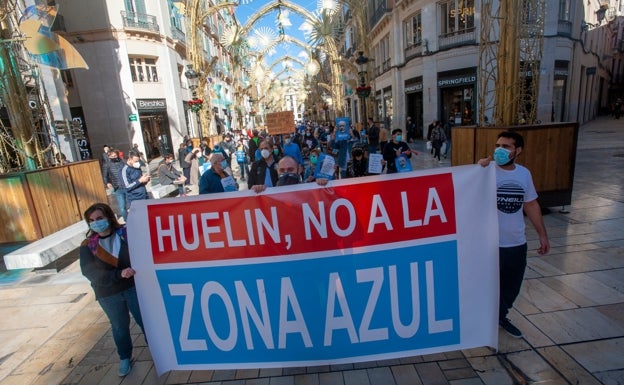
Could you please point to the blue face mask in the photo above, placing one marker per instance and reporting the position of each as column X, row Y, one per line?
column 313, row 159
column 100, row 225
column 224, row 163
column 399, row 138
column 501, row 156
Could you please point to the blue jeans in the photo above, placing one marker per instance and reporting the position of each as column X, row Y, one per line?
column 120, row 198
column 118, row 308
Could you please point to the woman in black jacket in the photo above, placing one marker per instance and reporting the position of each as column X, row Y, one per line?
column 105, row 261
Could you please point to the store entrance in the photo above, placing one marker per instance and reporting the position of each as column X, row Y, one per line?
column 156, row 136
column 414, row 105
column 458, row 105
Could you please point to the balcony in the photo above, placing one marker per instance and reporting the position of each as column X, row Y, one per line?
column 385, row 66
column 457, row 39
column 380, row 12
column 177, row 34
column 141, row 21
column 564, row 27
column 414, row 50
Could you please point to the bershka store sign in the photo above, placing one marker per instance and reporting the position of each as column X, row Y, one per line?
column 151, row 104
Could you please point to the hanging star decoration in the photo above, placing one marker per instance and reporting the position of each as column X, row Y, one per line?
column 46, row 47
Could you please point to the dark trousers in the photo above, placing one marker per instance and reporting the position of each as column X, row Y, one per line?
column 437, row 144
column 512, row 262
column 186, row 171
column 117, row 308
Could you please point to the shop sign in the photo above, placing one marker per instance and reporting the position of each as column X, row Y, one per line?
column 152, row 104
column 418, row 87
column 457, row 81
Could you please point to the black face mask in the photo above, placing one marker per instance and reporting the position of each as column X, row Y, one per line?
column 114, row 159
column 288, row 179
column 358, row 153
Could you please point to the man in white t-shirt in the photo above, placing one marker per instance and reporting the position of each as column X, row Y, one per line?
column 515, row 193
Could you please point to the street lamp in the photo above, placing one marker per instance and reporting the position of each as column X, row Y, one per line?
column 196, row 104
column 363, row 90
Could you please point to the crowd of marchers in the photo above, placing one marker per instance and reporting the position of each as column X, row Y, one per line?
column 311, row 153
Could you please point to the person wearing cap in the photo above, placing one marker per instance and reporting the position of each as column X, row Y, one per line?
column 358, row 164
column 394, row 148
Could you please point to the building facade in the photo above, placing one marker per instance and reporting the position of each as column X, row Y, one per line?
column 426, row 61
column 135, row 90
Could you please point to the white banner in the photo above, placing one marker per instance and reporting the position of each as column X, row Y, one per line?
column 364, row 269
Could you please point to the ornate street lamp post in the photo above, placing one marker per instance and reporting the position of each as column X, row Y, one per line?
column 196, row 104
column 252, row 113
column 363, row 90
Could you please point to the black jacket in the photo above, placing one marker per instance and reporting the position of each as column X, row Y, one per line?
column 389, row 154
column 258, row 173
column 105, row 278
column 111, row 172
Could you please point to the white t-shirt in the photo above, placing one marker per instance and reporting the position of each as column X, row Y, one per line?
column 513, row 189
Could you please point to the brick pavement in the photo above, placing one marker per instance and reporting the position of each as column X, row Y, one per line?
column 571, row 310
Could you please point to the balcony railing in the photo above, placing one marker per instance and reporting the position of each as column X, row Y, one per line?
column 385, row 66
column 379, row 13
column 139, row 21
column 456, row 39
column 414, row 50
column 177, row 34
column 564, row 27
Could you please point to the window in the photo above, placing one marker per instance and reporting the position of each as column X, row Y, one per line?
column 382, row 55
column 456, row 16
column 564, row 10
column 531, row 12
column 136, row 6
column 413, row 31
column 143, row 70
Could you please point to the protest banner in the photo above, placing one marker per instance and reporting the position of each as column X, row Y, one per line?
column 363, row 269
column 282, row 122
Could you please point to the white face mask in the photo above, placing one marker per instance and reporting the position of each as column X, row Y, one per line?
column 136, row 165
column 265, row 153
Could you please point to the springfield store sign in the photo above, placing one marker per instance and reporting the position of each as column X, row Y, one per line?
column 364, row 269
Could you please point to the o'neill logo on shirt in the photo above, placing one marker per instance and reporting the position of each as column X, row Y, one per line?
column 509, row 197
